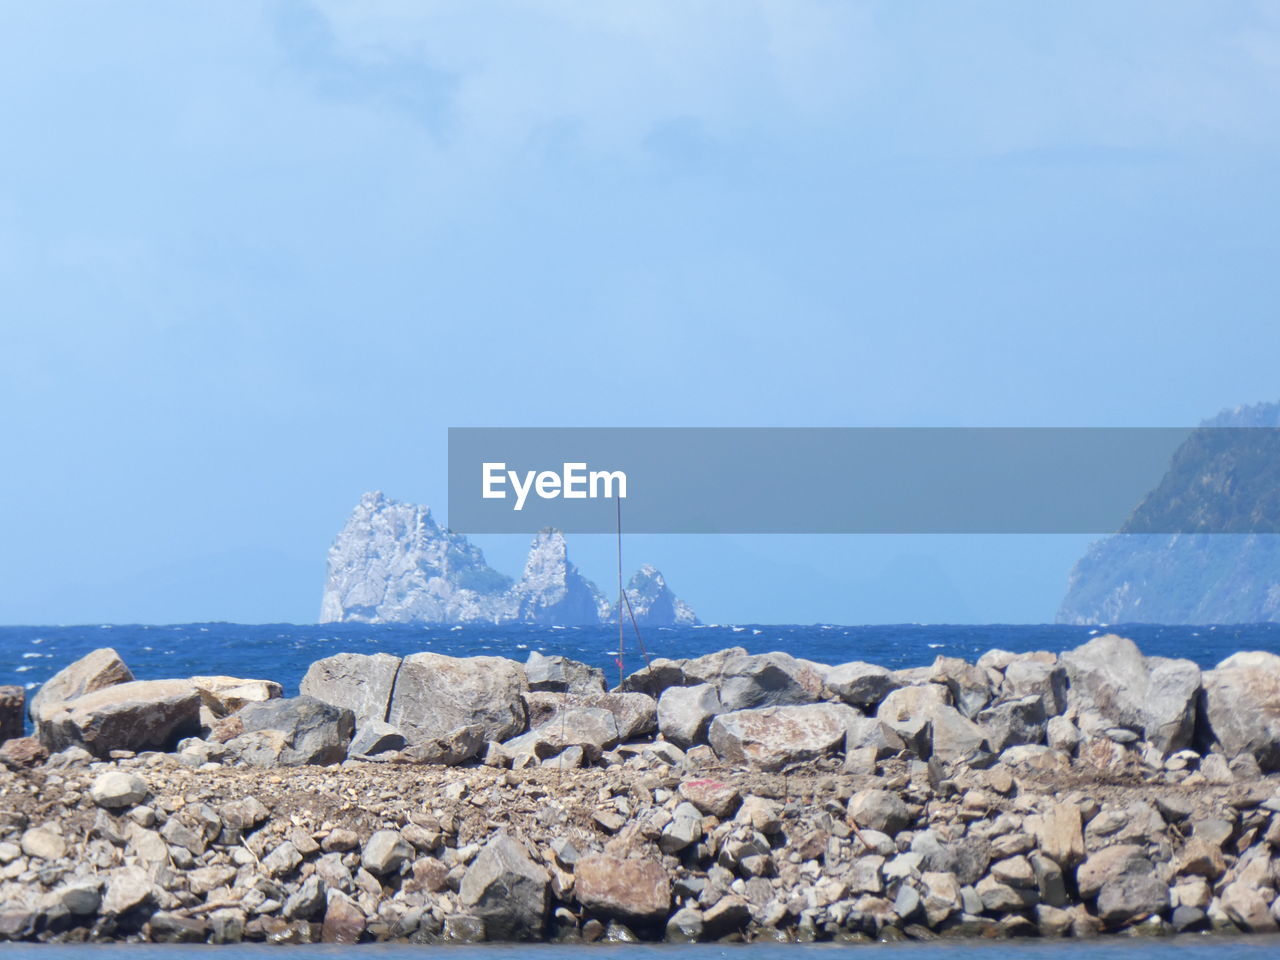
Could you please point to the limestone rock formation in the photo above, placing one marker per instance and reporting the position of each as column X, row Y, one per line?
column 393, row 563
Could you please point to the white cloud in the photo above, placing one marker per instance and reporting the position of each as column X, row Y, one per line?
column 607, row 73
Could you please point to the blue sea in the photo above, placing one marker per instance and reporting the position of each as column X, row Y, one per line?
column 282, row 652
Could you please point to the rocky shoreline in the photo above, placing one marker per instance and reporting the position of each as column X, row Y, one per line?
column 729, row 797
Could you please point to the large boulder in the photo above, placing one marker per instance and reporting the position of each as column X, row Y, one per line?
column 455, row 747
column 953, row 737
column 771, row 738
column 1014, row 722
column 359, row 682
column 293, row 732
column 684, row 713
column 633, row 891
column 1036, row 674
column 12, row 701
column 507, row 890
column 223, row 696
column 1242, row 706
column 562, row 675
column 94, row 671
column 593, row 729
column 767, row 679
column 435, row 694
column 970, row 686
column 1113, row 685
column 137, row 715
column 860, row 684
column 634, row 714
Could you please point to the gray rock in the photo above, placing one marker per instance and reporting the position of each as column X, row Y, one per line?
column 506, row 889
column 167, row 927
column 361, row 683
column 375, row 736
column 907, row 902
column 385, row 852
column 128, row 889
column 1030, row 675
column 80, row 897
column 1113, row 685
column 954, row 737
column 685, row 926
column 684, row 830
column 969, row 685
column 12, row 703
column 309, row 732
column 967, row 858
column 136, row 715
column 634, row 714
column 308, row 902
column 869, row 732
column 1242, row 706
column 94, row 671
column 767, row 679
column 879, row 810
column 1132, row 895
column 685, row 713
column 774, row 737
column 282, row 860
column 562, row 675
column 1061, row 734
column 116, row 789
column 457, row 746
column 1014, row 722
column 593, row 729
column 435, row 694
column 860, row 684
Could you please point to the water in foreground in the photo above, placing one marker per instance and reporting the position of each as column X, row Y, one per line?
column 1178, row 948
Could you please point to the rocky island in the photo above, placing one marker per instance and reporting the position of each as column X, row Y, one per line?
column 1224, row 477
column 728, row 797
column 393, row 563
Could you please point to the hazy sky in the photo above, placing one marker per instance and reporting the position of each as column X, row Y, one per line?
column 255, row 258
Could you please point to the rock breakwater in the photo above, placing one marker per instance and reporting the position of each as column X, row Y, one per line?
column 733, row 796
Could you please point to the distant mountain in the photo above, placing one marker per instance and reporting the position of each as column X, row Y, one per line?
column 392, row 563
column 1215, row 481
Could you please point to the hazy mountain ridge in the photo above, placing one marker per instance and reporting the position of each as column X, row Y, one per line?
column 1215, row 481
column 393, row 563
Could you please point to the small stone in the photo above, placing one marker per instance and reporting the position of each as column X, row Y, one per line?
column 711, row 796
column 340, row 840
column 43, row 843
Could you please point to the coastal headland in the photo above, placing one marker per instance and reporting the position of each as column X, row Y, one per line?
column 728, row 797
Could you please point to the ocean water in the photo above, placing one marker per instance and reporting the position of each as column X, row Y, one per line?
column 1191, row 947
column 282, row 652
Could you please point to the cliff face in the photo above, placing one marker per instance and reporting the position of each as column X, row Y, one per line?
column 552, row 590
column 393, row 563
column 652, row 601
column 1214, row 481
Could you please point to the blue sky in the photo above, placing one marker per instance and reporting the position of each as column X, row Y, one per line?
column 255, row 259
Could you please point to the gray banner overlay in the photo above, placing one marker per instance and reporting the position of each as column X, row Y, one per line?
column 866, row 480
